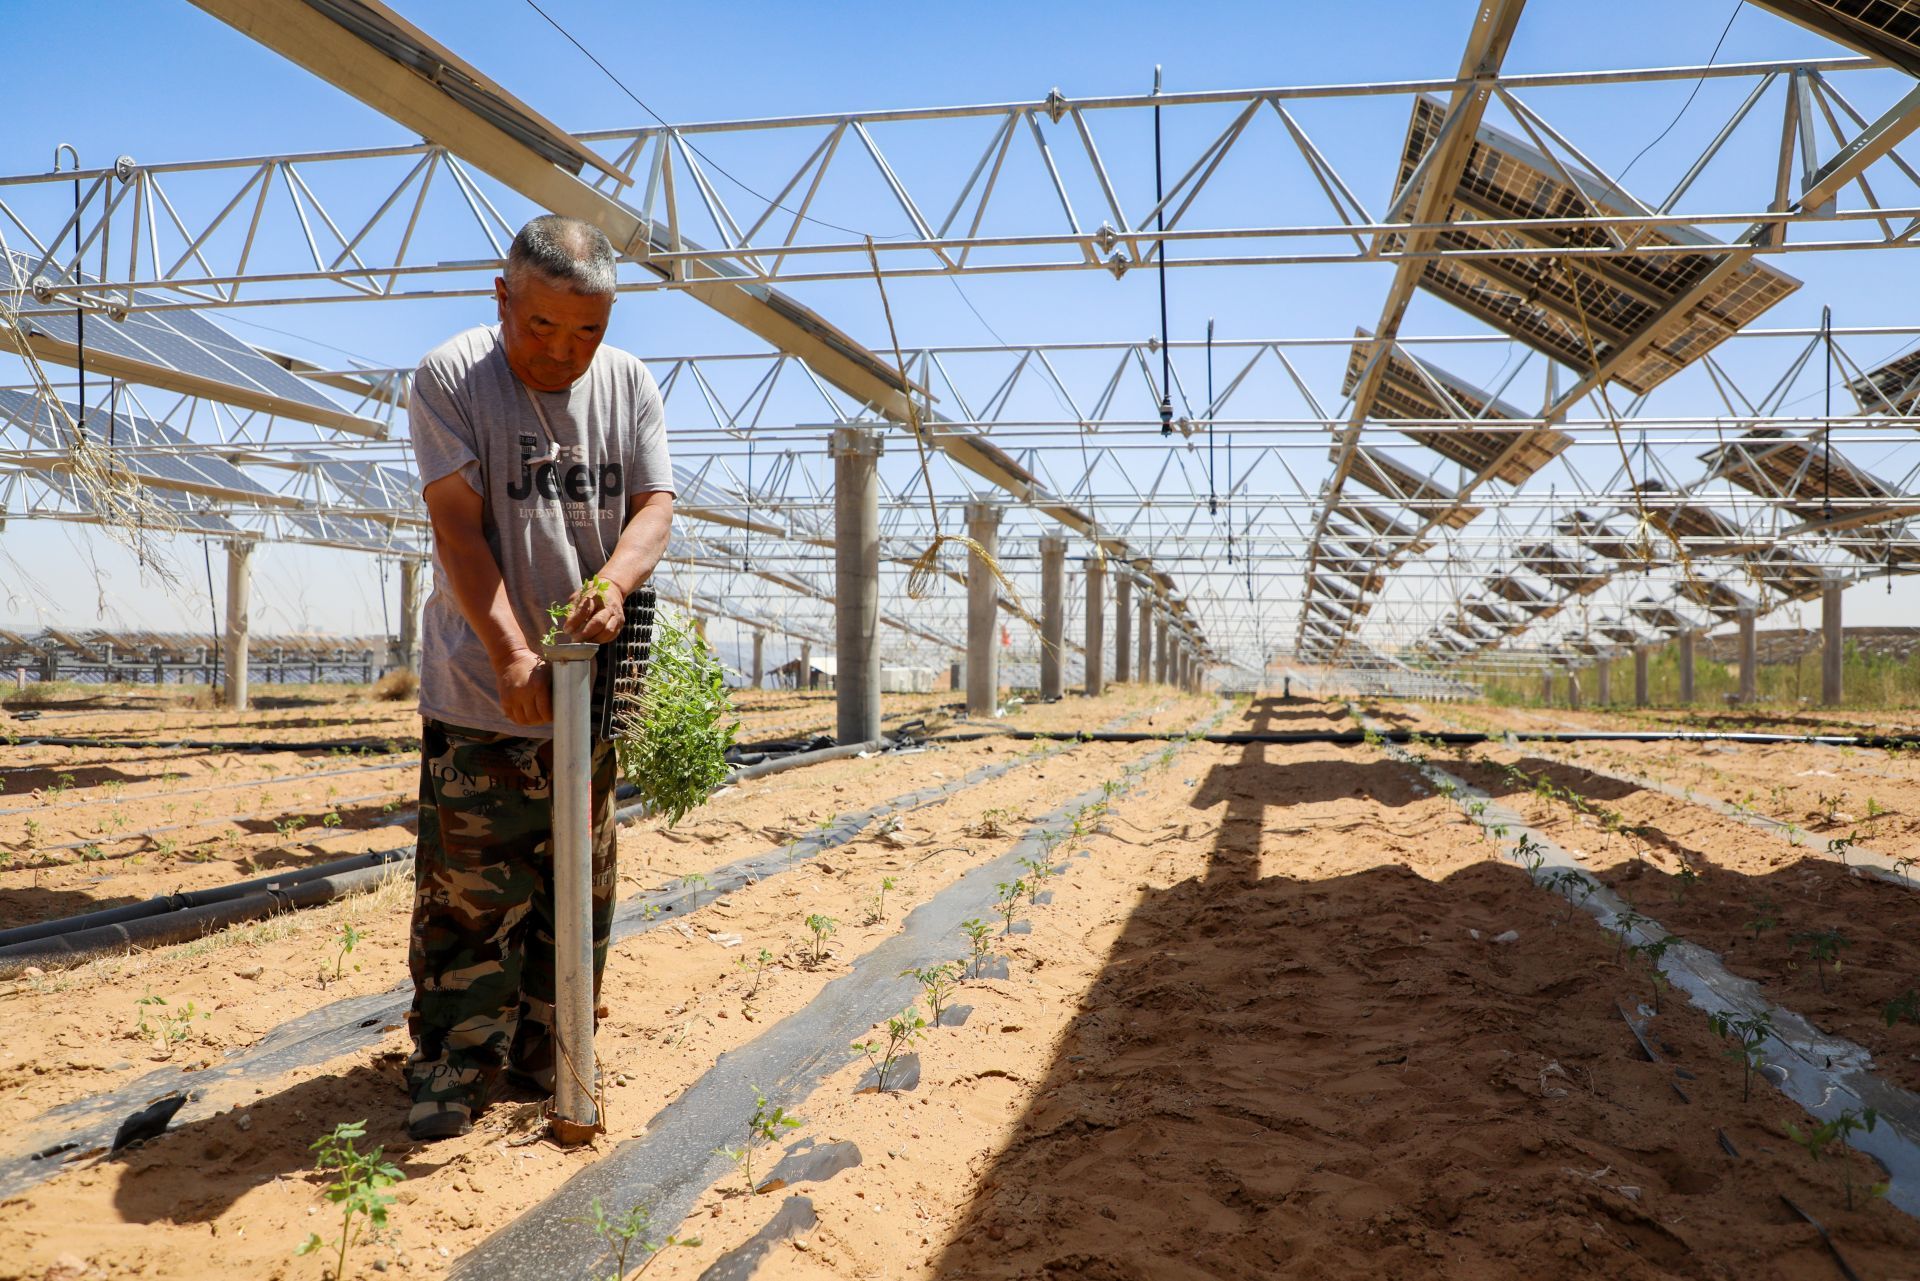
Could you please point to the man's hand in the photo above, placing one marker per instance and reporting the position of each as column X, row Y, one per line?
column 526, row 689
column 599, row 609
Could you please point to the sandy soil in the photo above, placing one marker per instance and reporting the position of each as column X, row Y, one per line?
column 1757, row 900
column 92, row 827
column 1250, row 1036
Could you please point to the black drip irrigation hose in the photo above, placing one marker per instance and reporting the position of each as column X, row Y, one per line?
column 11, row 939
column 375, row 746
column 174, row 918
column 190, row 922
column 1449, row 738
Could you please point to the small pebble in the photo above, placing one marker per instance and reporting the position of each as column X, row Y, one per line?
column 1509, row 936
column 248, row 972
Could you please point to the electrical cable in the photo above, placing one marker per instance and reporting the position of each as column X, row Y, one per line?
column 1160, row 259
column 718, row 167
column 1613, row 188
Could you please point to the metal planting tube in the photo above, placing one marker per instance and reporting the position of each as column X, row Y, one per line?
column 572, row 844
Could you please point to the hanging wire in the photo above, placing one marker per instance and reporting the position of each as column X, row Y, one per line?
column 1160, row 224
column 926, row 567
column 213, row 615
column 1826, row 444
column 1213, row 500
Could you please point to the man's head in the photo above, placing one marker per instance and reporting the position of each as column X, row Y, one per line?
column 554, row 300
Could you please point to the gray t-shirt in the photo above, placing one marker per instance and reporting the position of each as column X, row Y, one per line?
column 554, row 507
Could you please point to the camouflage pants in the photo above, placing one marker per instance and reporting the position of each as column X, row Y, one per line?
column 482, row 945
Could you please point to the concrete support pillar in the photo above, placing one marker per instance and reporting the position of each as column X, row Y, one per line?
column 1053, row 614
column 983, row 612
column 1573, row 690
column 759, row 660
column 1640, row 653
column 1603, row 680
column 1749, row 659
column 1096, row 567
column 239, row 590
column 1546, row 688
column 803, row 679
column 956, row 678
column 1145, row 664
column 856, row 560
column 1123, row 627
column 407, row 647
column 1832, row 638
column 1161, row 656
column 1686, row 667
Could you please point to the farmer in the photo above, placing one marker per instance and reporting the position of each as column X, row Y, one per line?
column 543, row 459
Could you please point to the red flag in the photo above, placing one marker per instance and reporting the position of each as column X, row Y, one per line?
column 1005, row 639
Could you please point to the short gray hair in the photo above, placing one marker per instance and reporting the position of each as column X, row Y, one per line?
column 566, row 251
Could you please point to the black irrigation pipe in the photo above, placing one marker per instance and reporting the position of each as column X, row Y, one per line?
column 1449, row 738
column 372, row 746
column 191, row 922
column 73, row 926
column 173, row 918
column 343, row 1027
column 193, row 791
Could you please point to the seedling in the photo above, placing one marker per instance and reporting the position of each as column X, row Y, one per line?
column 170, row 1027
column 1905, row 1006
column 1749, row 1033
column 359, row 1190
column 1816, row 1138
column 1575, row 886
column 1476, row 809
column 1683, row 880
column 903, row 1029
column 1766, row 915
column 764, row 1126
column 1830, row 807
column 822, row 928
column 1010, row 892
column 1904, row 866
column 349, row 939
column 623, row 1234
column 877, row 905
column 1839, row 845
column 671, row 738
column 976, row 931
column 756, row 968
column 1652, row 953
column 937, row 981
column 1626, row 923
column 1530, row 854
column 693, row 882
column 1823, row 948
column 331, row 819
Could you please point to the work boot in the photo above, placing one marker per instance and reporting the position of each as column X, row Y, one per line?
column 443, row 1101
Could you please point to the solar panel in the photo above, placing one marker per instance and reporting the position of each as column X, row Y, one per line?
column 192, row 470
column 179, row 350
column 1778, row 466
column 1657, row 616
column 1385, row 526
column 1885, row 29
column 1407, row 391
column 1620, row 296
column 1713, row 596
column 1386, row 475
column 1893, row 388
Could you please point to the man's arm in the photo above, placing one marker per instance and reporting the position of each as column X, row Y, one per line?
column 459, row 535
column 642, row 543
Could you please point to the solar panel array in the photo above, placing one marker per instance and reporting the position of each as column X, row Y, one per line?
column 1555, row 305
column 1413, row 389
column 177, row 350
column 1887, row 29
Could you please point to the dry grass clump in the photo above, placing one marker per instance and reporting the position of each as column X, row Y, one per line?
column 397, row 686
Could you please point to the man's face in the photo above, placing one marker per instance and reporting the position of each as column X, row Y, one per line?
column 549, row 332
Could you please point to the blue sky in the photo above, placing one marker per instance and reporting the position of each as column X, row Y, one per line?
column 165, row 82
